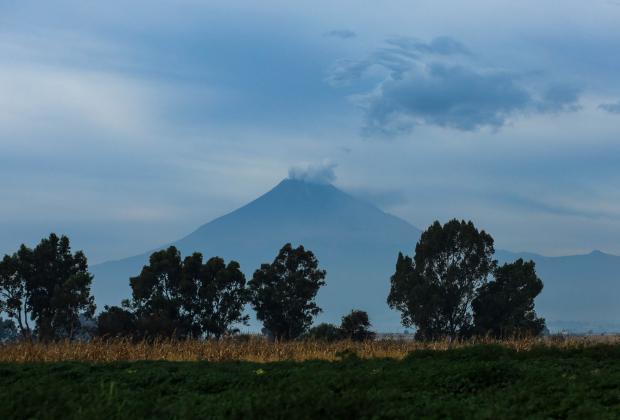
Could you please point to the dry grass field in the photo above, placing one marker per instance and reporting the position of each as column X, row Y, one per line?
column 249, row 377
column 257, row 349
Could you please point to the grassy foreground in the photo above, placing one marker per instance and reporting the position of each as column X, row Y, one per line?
column 257, row 349
column 479, row 381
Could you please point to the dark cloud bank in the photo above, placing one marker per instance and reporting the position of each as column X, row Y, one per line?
column 613, row 108
column 441, row 83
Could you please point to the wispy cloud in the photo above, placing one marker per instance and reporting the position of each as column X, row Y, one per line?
column 320, row 173
column 341, row 33
column 46, row 100
column 553, row 208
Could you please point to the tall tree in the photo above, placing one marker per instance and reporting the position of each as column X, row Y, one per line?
column 49, row 286
column 283, row 292
column 13, row 293
column 59, row 289
column 434, row 290
column 186, row 298
column 504, row 307
column 214, row 295
column 156, row 296
column 356, row 326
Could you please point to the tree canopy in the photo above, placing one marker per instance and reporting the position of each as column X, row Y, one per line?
column 504, row 307
column 49, row 286
column 214, row 294
column 434, row 290
column 356, row 326
column 283, row 292
column 13, row 293
column 179, row 298
column 452, row 287
column 115, row 322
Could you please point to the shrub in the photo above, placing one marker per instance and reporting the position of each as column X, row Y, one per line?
column 325, row 332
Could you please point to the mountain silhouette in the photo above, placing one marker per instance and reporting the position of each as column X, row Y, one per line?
column 354, row 241
column 581, row 292
column 357, row 244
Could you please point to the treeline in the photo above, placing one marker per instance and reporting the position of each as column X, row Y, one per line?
column 452, row 287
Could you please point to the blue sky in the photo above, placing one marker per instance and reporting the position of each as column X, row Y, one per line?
column 127, row 126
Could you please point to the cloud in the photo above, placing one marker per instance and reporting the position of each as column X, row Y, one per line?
column 441, row 83
column 442, row 45
column 445, row 96
column 518, row 201
column 341, row 33
column 559, row 98
column 613, row 108
column 319, row 173
column 397, row 57
column 92, row 107
column 51, row 101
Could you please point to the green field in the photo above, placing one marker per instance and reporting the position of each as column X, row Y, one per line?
column 472, row 382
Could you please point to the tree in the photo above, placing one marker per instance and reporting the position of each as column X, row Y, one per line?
column 434, row 290
column 13, row 293
column 48, row 285
column 505, row 307
column 180, row 299
column 283, row 292
column 115, row 322
column 156, row 296
column 58, row 285
column 214, row 295
column 356, row 326
column 324, row 332
column 8, row 330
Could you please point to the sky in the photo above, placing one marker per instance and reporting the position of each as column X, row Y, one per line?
column 126, row 126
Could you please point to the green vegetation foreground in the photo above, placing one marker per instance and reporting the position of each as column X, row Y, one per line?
column 472, row 382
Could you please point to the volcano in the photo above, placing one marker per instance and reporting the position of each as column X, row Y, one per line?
column 354, row 241
column 357, row 243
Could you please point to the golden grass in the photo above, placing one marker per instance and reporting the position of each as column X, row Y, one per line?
column 255, row 349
